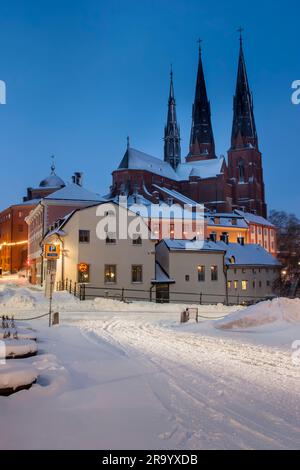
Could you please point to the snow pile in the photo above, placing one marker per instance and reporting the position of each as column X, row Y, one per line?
column 16, row 374
column 16, row 297
column 19, row 348
column 276, row 311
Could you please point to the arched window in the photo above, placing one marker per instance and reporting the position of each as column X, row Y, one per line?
column 241, row 168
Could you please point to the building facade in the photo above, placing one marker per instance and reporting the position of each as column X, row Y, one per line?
column 110, row 264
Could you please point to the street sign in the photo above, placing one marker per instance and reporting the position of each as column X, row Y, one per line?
column 52, row 251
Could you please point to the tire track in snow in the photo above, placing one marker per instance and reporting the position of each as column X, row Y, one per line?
column 208, row 357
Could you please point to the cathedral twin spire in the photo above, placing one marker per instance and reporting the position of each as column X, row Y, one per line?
column 202, row 145
column 172, row 149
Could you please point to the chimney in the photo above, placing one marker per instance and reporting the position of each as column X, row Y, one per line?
column 77, row 178
column 241, row 240
column 213, row 237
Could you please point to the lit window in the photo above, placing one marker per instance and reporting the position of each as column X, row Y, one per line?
column 110, row 273
column 244, row 285
column 83, row 272
column 201, row 273
column 136, row 273
column 236, row 284
column 229, row 284
column 214, row 273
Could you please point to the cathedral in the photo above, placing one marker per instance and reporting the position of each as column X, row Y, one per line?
column 202, row 176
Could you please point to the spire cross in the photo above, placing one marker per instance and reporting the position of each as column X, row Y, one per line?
column 200, row 41
column 52, row 164
column 240, row 30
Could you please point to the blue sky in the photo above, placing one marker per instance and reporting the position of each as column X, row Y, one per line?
column 81, row 75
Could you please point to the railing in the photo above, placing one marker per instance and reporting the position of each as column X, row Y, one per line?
column 86, row 291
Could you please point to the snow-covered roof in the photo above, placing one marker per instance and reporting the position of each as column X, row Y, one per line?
column 74, row 192
column 226, row 220
column 52, row 181
column 255, row 219
column 136, row 160
column 248, row 255
column 203, row 169
column 236, row 254
column 192, row 245
column 175, row 195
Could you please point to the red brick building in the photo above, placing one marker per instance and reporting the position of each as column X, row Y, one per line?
column 222, row 186
column 14, row 229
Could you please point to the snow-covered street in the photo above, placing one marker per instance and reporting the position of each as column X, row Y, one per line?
column 137, row 379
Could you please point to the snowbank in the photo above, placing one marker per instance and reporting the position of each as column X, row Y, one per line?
column 19, row 347
column 277, row 311
column 16, row 374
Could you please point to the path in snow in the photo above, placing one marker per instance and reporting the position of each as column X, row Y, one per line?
column 217, row 393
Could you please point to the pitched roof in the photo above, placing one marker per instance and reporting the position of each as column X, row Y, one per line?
column 248, row 255
column 255, row 219
column 203, row 169
column 192, row 245
column 74, row 192
column 136, row 160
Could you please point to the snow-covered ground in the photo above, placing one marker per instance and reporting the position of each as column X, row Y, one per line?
column 129, row 376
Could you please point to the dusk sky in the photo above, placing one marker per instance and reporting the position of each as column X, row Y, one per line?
column 81, row 75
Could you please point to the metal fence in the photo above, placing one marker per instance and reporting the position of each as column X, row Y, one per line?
column 86, row 291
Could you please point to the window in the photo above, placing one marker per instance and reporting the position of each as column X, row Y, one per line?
column 268, row 283
column 241, row 170
column 253, row 284
column 254, row 271
column 234, row 221
column 83, row 272
column 232, row 260
column 201, row 273
column 244, row 285
column 229, row 284
column 259, row 230
column 265, row 232
column 110, row 239
column 137, row 240
column 243, row 270
column 259, row 284
column 236, row 284
column 214, row 273
column 217, row 220
column 136, row 273
column 187, row 278
column 110, row 273
column 84, row 236
column 20, row 214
